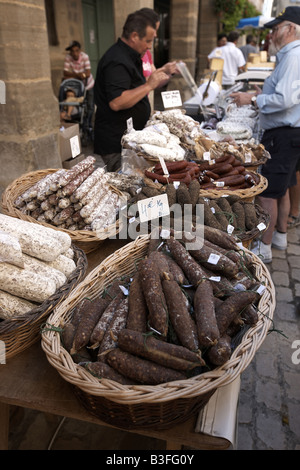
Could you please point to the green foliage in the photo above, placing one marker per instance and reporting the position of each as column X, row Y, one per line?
column 232, row 11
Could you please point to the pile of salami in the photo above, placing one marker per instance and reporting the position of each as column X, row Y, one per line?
column 35, row 262
column 174, row 318
column 76, row 199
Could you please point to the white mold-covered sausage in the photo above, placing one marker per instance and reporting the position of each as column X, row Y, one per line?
column 25, row 284
column 40, row 267
column 12, row 306
column 64, row 264
column 36, row 240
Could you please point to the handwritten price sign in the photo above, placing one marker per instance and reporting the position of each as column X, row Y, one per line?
column 153, row 208
column 171, row 99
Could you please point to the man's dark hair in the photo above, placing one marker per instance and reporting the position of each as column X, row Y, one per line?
column 233, row 36
column 150, row 13
column 249, row 38
column 221, row 36
column 138, row 23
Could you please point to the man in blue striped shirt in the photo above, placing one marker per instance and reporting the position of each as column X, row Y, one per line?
column 279, row 110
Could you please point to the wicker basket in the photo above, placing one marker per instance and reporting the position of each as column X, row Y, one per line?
column 20, row 333
column 87, row 240
column 247, row 194
column 145, row 406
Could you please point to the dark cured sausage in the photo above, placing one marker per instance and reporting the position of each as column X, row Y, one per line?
column 179, row 314
column 190, row 267
column 142, row 370
column 204, row 307
column 169, row 355
column 154, row 296
column 137, row 307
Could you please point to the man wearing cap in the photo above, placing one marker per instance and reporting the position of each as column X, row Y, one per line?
column 279, row 111
column 121, row 90
column 77, row 65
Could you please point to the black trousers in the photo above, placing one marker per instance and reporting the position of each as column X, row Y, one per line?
column 283, row 143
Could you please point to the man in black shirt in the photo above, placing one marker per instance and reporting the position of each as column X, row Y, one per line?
column 121, row 91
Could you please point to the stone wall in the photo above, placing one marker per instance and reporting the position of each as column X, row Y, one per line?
column 30, row 117
column 207, row 35
column 69, row 26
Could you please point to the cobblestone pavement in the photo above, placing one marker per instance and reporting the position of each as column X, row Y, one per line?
column 269, row 408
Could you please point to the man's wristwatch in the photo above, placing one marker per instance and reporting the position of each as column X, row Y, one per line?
column 253, row 101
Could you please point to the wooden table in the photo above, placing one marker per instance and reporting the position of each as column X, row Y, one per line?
column 29, row 381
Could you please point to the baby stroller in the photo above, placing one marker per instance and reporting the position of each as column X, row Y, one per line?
column 78, row 106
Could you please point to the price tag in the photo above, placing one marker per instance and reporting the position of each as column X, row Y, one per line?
column 230, row 229
column 213, row 210
column 131, row 220
column 164, row 233
column 213, row 258
column 261, row 226
column 248, row 157
column 164, row 166
column 129, row 124
column 124, row 290
column 239, row 287
column 176, row 184
column 260, row 289
column 153, row 207
column 75, row 146
column 206, row 156
column 171, row 99
column 219, row 184
column 215, row 278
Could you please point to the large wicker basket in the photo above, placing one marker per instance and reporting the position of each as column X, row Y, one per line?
column 87, row 240
column 145, row 406
column 23, row 331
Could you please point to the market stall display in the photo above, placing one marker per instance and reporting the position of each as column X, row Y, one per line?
column 79, row 202
column 122, row 396
column 35, row 277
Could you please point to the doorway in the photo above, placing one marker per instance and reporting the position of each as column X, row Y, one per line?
column 98, row 27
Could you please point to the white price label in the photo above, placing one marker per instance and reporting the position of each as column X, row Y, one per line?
column 213, row 258
column 248, row 157
column 176, row 184
column 131, row 220
column 164, row 233
column 75, row 146
column 171, row 99
column 261, row 226
column 230, row 229
column 164, row 166
column 129, row 124
column 219, row 184
column 153, row 207
column 124, row 290
column 260, row 289
column 206, row 156
column 215, row 278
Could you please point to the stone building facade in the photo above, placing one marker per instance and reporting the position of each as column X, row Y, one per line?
column 34, row 36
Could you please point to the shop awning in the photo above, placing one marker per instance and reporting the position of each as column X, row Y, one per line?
column 254, row 22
